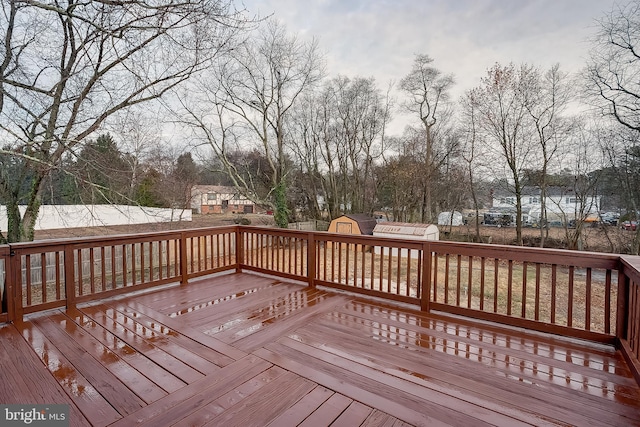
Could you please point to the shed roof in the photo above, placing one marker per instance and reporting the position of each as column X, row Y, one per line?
column 403, row 228
column 366, row 223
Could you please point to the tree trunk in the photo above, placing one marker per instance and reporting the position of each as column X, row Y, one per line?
column 14, row 222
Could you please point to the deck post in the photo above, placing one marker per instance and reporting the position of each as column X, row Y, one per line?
column 184, row 271
column 622, row 311
column 239, row 248
column 311, row 259
column 425, row 285
column 10, row 285
column 69, row 277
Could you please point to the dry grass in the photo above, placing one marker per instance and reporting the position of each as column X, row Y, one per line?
column 609, row 239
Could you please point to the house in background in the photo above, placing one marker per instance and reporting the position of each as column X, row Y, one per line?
column 562, row 204
column 206, row 199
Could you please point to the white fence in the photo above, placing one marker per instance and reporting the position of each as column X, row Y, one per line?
column 69, row 216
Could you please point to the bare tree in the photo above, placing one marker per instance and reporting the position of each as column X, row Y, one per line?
column 583, row 160
column 137, row 133
column 501, row 107
column 547, row 96
column 308, row 132
column 471, row 151
column 428, row 92
column 613, row 69
column 337, row 134
column 68, row 66
column 247, row 100
column 621, row 148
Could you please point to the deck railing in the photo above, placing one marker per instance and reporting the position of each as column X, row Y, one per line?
column 628, row 334
column 56, row 273
column 577, row 294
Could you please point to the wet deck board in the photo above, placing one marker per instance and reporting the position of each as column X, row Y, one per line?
column 489, row 384
column 26, row 380
column 113, row 386
column 245, row 349
column 84, row 394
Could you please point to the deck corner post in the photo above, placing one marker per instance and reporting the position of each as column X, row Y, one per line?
column 239, row 248
column 69, row 277
column 311, row 259
column 622, row 306
column 184, row 272
column 12, row 287
column 425, row 285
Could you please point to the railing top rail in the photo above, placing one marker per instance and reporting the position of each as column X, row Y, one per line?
column 118, row 238
column 326, row 236
column 204, row 230
column 631, row 267
column 276, row 231
column 539, row 255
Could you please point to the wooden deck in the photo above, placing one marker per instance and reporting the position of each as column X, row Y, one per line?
column 243, row 349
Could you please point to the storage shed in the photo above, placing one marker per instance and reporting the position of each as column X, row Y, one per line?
column 353, row 224
column 450, row 218
column 405, row 230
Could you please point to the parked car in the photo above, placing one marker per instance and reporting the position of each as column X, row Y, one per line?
column 497, row 219
column 630, row 225
column 610, row 218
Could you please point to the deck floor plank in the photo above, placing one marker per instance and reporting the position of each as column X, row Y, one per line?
column 93, row 405
column 26, row 379
column 456, row 386
column 326, row 413
column 379, row 419
column 550, row 346
column 559, row 381
column 173, row 336
column 162, row 377
column 356, row 414
column 460, row 379
column 578, row 362
column 217, row 407
column 265, row 313
column 201, row 294
column 435, row 401
column 138, row 383
column 199, row 394
column 157, row 354
column 119, row 395
column 374, row 394
column 160, row 337
column 236, row 309
column 547, row 372
column 297, row 413
column 247, row 349
column 185, row 329
column 258, row 409
column 279, row 326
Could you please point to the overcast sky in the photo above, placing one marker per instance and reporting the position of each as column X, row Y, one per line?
column 379, row 38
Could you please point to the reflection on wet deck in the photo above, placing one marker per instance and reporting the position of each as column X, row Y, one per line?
column 243, row 349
